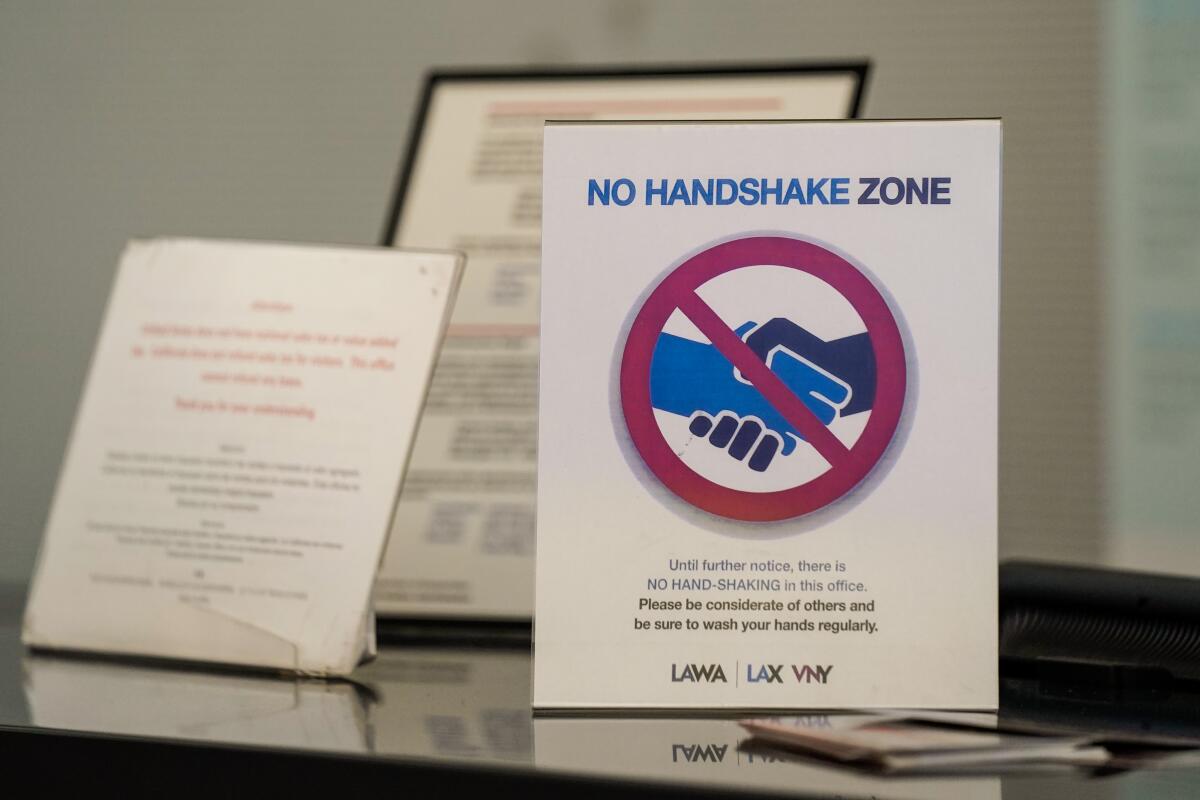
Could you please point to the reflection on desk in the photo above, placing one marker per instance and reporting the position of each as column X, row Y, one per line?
column 130, row 699
column 469, row 706
column 439, row 703
column 452, row 703
column 716, row 752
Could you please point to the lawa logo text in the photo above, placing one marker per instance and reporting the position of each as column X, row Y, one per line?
column 774, row 673
column 696, row 753
column 698, row 673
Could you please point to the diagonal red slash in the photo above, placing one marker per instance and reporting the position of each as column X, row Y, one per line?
column 774, row 390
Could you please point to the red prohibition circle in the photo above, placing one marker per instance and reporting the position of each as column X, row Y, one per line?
column 848, row 466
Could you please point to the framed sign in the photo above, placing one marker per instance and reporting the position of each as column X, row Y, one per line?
column 463, row 537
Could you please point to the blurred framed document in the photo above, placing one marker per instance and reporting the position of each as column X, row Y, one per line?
column 463, row 536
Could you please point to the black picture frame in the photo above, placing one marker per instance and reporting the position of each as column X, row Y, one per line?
column 439, row 76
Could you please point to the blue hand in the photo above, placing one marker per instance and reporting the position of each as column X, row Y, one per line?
column 687, row 377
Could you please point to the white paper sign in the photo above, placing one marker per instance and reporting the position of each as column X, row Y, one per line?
column 462, row 543
column 767, row 470
column 236, row 457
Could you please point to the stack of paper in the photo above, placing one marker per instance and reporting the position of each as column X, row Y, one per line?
column 899, row 744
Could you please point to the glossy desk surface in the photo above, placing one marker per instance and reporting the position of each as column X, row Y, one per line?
column 466, row 705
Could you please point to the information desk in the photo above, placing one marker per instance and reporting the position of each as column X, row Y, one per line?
column 439, row 712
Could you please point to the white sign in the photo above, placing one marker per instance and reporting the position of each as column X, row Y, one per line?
column 767, row 473
column 236, row 457
column 462, row 545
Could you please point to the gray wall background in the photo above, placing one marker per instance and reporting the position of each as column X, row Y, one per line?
column 285, row 120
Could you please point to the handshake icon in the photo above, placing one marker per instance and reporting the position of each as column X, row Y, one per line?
column 692, row 379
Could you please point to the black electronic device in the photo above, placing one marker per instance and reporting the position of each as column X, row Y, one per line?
column 1126, row 628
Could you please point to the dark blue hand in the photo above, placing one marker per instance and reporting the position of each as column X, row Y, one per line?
column 851, row 358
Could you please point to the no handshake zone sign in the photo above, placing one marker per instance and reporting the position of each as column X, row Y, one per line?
column 766, row 394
